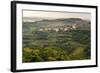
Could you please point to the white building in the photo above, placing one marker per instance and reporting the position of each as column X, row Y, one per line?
column 66, row 29
column 56, row 29
column 74, row 26
column 40, row 29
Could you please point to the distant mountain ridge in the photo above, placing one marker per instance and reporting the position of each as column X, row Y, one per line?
column 35, row 19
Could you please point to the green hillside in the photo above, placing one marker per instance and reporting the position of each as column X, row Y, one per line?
column 41, row 46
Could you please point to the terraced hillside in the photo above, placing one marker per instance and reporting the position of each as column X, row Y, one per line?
column 61, row 45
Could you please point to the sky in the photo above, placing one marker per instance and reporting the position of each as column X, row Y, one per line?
column 55, row 15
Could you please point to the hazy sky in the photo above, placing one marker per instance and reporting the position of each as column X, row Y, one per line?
column 55, row 15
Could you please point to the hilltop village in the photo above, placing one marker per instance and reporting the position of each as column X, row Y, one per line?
column 60, row 28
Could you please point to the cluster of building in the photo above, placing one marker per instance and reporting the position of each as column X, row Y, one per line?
column 57, row 29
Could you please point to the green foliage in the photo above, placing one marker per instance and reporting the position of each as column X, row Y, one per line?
column 56, row 46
